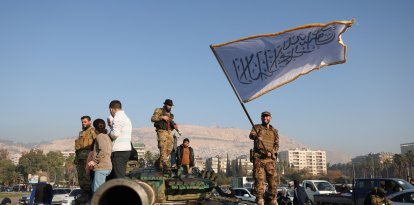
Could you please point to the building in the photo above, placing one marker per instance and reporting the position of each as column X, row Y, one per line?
column 244, row 162
column 15, row 158
column 216, row 164
column 199, row 162
column 359, row 159
column 407, row 147
column 140, row 147
column 385, row 156
column 381, row 157
column 314, row 161
column 67, row 154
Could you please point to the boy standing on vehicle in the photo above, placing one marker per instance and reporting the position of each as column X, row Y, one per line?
column 185, row 157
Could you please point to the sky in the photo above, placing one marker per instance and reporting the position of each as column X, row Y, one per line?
column 60, row 60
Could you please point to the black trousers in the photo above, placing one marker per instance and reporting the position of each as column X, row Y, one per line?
column 119, row 162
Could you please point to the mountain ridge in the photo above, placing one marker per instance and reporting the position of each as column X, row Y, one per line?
column 206, row 141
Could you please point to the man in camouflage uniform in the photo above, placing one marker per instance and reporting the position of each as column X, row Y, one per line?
column 83, row 146
column 163, row 123
column 266, row 146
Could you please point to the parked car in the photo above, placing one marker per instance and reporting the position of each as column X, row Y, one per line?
column 59, row 195
column 70, row 198
column 315, row 187
column 8, row 189
column 362, row 188
column 244, row 194
column 24, row 200
column 405, row 197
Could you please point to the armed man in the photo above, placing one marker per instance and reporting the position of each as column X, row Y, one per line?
column 83, row 146
column 164, row 124
column 263, row 156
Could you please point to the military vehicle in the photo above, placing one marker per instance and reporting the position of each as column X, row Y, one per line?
column 148, row 186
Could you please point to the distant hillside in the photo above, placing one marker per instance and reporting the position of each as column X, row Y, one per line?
column 206, row 141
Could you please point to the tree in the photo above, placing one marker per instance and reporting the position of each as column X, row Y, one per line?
column 70, row 171
column 8, row 174
column 410, row 161
column 233, row 169
column 55, row 162
column 32, row 162
column 222, row 179
column 239, row 169
column 334, row 175
column 369, row 165
column 401, row 163
column 151, row 158
column 4, row 154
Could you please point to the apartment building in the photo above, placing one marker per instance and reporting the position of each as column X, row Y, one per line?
column 407, row 147
column 216, row 164
column 313, row 160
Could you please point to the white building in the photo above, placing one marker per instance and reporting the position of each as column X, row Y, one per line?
column 140, row 147
column 216, row 163
column 246, row 165
column 68, row 153
column 314, row 161
column 15, row 158
column 199, row 162
column 407, row 147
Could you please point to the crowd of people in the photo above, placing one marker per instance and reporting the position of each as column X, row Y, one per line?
column 102, row 154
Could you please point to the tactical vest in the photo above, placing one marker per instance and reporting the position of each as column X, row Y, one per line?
column 269, row 137
column 85, row 139
column 162, row 124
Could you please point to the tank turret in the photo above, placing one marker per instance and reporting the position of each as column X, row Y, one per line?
column 151, row 186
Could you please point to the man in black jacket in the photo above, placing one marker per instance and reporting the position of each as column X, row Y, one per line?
column 299, row 194
column 185, row 157
column 42, row 192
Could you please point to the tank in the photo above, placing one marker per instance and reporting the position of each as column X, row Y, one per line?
column 150, row 186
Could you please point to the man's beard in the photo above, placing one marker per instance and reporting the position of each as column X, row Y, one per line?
column 167, row 109
column 85, row 128
column 265, row 123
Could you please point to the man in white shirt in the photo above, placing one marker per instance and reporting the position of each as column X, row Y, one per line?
column 121, row 131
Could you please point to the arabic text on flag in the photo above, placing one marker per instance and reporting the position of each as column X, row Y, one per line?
column 259, row 64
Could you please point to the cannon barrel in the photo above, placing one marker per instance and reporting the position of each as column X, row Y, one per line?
column 149, row 186
column 124, row 191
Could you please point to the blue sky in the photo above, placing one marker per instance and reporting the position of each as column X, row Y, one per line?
column 60, row 60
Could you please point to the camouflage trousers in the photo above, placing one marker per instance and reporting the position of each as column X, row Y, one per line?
column 165, row 143
column 83, row 178
column 264, row 169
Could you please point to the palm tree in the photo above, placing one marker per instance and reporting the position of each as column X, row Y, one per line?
column 410, row 161
column 400, row 161
column 387, row 164
column 370, row 165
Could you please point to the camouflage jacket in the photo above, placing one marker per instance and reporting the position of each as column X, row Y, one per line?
column 270, row 140
column 161, row 124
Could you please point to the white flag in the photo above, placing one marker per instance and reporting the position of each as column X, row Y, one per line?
column 261, row 63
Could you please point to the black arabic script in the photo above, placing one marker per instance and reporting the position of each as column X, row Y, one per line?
column 264, row 64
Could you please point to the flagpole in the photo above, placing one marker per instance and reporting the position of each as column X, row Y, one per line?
column 234, row 88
